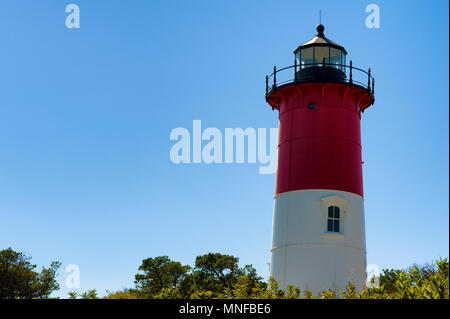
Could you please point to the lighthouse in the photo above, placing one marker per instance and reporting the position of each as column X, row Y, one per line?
column 318, row 237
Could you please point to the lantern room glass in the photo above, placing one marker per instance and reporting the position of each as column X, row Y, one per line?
column 307, row 57
column 315, row 55
column 335, row 58
column 321, row 54
column 343, row 62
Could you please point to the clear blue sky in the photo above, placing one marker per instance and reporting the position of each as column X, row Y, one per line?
column 85, row 118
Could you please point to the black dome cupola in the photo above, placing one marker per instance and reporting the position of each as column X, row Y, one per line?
column 320, row 28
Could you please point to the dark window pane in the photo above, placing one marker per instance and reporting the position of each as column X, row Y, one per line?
column 343, row 62
column 297, row 61
column 335, row 58
column 321, row 53
column 330, row 212
column 336, row 226
column 330, row 225
column 307, row 57
column 336, row 212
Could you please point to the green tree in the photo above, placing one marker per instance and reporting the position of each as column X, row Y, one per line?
column 159, row 273
column 217, row 272
column 19, row 280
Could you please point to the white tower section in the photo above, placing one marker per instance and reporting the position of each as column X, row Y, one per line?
column 305, row 253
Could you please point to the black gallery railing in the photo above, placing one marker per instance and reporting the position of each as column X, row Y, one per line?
column 368, row 84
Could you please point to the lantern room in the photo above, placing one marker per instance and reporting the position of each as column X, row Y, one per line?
column 320, row 59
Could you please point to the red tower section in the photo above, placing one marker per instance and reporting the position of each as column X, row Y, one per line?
column 319, row 119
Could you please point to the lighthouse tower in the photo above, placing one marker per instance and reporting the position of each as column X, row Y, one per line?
column 318, row 239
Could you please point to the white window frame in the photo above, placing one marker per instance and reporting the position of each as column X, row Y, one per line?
column 342, row 204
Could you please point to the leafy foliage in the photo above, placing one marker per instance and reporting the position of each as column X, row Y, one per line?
column 214, row 275
column 159, row 273
column 90, row 294
column 124, row 294
column 19, row 280
column 219, row 276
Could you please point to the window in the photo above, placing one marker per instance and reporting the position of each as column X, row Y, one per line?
column 298, row 60
column 321, row 54
column 334, row 219
column 335, row 211
column 307, row 57
column 344, row 69
column 335, row 58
